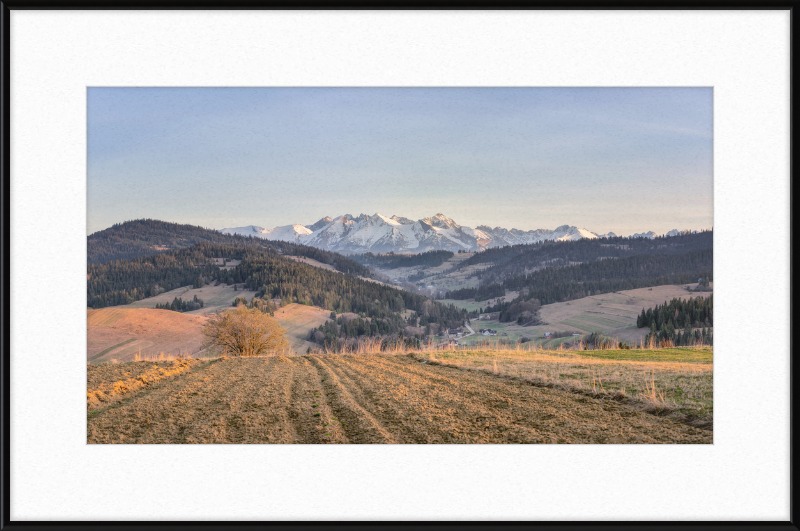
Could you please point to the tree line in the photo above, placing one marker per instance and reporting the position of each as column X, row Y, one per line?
column 694, row 312
column 180, row 305
column 393, row 261
column 668, row 336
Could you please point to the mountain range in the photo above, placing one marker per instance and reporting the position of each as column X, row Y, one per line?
column 381, row 234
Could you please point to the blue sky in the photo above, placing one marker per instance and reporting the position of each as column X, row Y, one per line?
column 606, row 159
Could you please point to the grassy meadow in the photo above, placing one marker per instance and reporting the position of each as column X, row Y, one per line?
column 674, row 381
column 214, row 297
column 611, row 314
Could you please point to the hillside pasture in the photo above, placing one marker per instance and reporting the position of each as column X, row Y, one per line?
column 123, row 333
column 611, row 314
column 214, row 297
column 297, row 320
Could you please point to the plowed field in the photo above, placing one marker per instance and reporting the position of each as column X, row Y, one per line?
column 368, row 399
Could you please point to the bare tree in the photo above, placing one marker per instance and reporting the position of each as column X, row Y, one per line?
column 245, row 332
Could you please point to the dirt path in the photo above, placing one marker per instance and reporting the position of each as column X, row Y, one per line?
column 369, row 399
column 471, row 331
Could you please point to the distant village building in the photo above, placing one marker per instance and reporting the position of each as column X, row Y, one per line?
column 455, row 332
column 547, row 335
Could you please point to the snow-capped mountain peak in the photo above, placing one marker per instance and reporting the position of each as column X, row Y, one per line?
column 380, row 234
column 441, row 221
column 250, row 230
column 324, row 222
column 288, row 233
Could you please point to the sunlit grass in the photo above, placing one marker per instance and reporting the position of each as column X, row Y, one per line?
column 668, row 381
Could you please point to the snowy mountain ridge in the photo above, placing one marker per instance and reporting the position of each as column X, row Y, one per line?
column 381, row 234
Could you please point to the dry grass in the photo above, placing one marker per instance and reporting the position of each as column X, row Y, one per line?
column 297, row 320
column 654, row 379
column 664, row 381
column 365, row 399
column 108, row 383
column 161, row 356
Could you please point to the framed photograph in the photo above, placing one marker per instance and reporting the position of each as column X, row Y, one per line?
column 397, row 266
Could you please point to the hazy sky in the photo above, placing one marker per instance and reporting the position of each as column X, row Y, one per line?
column 606, row 159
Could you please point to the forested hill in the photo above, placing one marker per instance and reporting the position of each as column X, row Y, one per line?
column 149, row 237
column 271, row 275
column 145, row 237
column 559, row 284
column 520, row 259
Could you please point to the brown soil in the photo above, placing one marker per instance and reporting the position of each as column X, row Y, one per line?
column 368, row 399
